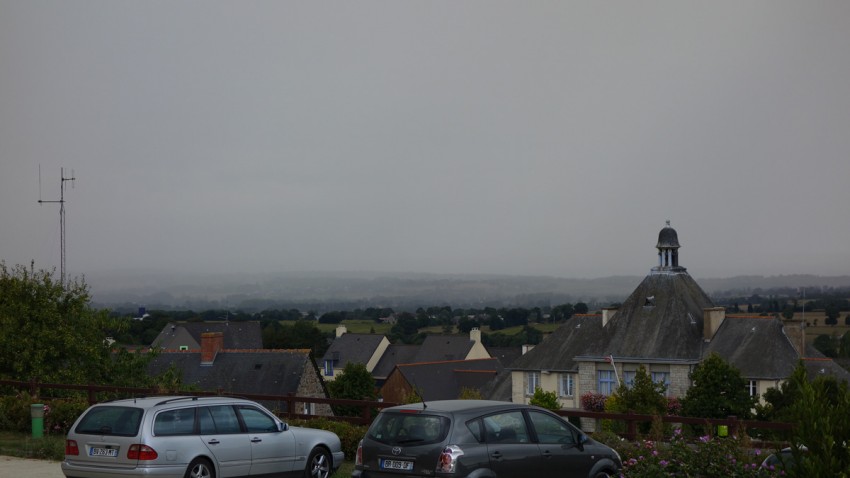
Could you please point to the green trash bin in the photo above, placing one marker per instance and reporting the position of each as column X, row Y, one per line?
column 37, row 413
column 722, row 430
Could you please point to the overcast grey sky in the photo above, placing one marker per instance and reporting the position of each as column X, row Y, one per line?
column 512, row 137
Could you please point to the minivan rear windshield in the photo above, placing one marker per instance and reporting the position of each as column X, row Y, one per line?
column 111, row 420
column 408, row 429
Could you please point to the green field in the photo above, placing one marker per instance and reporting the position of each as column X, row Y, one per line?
column 367, row 326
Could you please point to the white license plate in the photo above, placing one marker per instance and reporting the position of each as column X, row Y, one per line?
column 95, row 451
column 396, row 465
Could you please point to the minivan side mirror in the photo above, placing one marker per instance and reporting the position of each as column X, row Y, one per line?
column 282, row 426
column 582, row 439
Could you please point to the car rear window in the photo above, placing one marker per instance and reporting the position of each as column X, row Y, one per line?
column 408, row 428
column 111, row 420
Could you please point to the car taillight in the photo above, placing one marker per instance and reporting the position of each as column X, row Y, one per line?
column 71, row 448
column 141, row 452
column 447, row 463
column 358, row 458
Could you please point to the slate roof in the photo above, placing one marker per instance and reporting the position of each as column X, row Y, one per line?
column 437, row 348
column 394, row 355
column 349, row 347
column 757, row 346
column 661, row 319
column 818, row 364
column 581, row 335
column 506, row 355
column 266, row 372
column 444, row 380
column 237, row 335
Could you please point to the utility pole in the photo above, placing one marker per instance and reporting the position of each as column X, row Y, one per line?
column 61, row 202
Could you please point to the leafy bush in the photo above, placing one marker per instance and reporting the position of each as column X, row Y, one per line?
column 547, row 400
column 355, row 383
column 349, row 434
column 60, row 415
column 708, row 458
column 593, row 402
column 15, row 412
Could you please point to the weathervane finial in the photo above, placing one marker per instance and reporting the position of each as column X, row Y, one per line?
column 668, row 223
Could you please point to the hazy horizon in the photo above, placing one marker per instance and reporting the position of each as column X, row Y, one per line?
column 529, row 139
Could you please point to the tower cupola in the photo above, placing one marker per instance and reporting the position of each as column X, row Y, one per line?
column 668, row 251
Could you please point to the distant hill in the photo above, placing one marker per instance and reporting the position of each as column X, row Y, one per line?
column 403, row 291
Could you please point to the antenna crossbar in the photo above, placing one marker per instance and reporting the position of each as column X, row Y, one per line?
column 61, row 202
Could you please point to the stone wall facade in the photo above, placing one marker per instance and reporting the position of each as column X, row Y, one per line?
column 311, row 386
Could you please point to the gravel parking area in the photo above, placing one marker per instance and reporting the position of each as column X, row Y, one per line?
column 13, row 467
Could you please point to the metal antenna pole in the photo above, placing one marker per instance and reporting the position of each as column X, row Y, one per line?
column 61, row 202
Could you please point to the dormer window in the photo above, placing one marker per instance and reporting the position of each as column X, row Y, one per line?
column 650, row 301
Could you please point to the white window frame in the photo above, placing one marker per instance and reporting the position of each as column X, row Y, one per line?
column 532, row 382
column 753, row 387
column 566, row 385
column 329, row 368
column 606, row 382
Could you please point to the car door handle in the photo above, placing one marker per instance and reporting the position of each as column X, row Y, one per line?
column 213, row 442
column 256, row 440
column 547, row 454
column 497, row 455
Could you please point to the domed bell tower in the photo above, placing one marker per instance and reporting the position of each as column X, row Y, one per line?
column 668, row 251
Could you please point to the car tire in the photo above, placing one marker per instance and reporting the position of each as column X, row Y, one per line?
column 603, row 474
column 200, row 468
column 318, row 464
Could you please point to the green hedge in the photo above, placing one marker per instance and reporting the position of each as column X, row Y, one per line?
column 59, row 413
column 349, row 434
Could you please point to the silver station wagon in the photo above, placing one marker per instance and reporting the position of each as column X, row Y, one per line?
column 194, row 437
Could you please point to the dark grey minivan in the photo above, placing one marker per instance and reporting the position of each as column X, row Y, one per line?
column 479, row 438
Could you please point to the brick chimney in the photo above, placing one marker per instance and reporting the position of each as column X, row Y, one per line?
column 211, row 343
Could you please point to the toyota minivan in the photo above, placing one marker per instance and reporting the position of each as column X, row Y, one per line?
column 461, row 438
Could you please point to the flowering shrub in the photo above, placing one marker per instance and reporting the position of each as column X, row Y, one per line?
column 593, row 402
column 674, row 406
column 723, row 457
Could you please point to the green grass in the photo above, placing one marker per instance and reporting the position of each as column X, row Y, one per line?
column 366, row 326
column 358, row 327
column 344, row 470
column 49, row 447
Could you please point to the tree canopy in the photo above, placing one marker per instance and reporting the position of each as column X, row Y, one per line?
column 49, row 333
column 355, row 383
column 718, row 391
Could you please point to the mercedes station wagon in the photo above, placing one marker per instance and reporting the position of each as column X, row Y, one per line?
column 479, row 438
column 194, row 437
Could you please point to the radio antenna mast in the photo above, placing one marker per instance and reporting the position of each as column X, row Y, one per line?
column 61, row 202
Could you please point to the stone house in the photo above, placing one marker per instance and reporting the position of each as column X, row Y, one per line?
column 214, row 367
column 668, row 325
